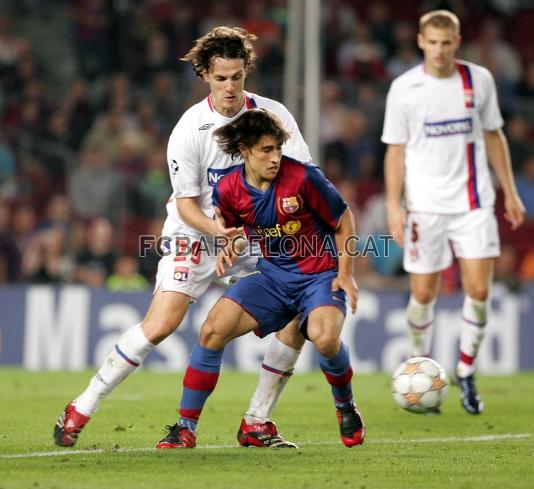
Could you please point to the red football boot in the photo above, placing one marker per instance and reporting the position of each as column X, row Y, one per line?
column 261, row 435
column 68, row 426
column 178, row 437
column 351, row 426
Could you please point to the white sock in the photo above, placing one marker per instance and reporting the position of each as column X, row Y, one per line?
column 126, row 356
column 474, row 317
column 278, row 364
column 420, row 325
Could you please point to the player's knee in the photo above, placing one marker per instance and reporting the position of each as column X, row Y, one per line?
column 423, row 295
column 157, row 329
column 327, row 344
column 291, row 336
column 479, row 292
column 211, row 334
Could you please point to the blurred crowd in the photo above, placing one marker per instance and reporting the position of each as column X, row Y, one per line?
column 86, row 115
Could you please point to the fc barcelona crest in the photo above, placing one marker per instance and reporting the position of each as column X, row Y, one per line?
column 290, row 204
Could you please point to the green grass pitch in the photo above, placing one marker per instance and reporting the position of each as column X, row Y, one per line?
column 402, row 450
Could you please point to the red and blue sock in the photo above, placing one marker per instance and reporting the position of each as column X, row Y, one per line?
column 199, row 382
column 338, row 373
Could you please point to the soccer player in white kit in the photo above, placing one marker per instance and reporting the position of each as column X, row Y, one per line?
column 442, row 122
column 222, row 58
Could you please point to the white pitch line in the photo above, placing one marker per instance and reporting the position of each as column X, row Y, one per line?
column 452, row 439
column 401, row 441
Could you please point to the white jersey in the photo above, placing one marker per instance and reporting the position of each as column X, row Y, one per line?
column 441, row 121
column 196, row 163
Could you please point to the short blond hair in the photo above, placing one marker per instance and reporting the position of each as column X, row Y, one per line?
column 223, row 42
column 442, row 19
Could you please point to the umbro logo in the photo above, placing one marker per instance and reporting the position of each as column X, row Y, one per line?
column 205, row 127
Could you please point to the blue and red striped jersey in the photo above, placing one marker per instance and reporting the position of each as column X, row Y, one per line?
column 293, row 221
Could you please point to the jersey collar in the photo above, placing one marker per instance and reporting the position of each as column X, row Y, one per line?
column 249, row 103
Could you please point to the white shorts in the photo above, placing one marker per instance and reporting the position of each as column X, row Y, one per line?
column 431, row 239
column 191, row 273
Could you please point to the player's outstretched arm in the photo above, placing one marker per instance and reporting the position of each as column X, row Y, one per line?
column 193, row 216
column 499, row 158
column 345, row 275
column 394, row 180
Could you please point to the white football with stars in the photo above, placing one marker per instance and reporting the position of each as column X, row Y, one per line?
column 419, row 385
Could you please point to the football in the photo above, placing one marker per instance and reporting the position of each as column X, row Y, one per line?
column 419, row 385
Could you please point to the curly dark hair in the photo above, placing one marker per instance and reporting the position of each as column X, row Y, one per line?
column 247, row 129
column 223, row 42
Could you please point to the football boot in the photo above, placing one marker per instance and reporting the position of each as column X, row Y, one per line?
column 351, row 426
column 178, row 436
column 68, row 426
column 469, row 397
column 262, row 435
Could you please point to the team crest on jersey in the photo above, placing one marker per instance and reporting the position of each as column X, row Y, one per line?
column 181, row 274
column 292, row 227
column 289, row 205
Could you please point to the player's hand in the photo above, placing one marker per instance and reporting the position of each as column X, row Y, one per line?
column 220, row 226
column 514, row 210
column 397, row 223
column 349, row 286
column 225, row 258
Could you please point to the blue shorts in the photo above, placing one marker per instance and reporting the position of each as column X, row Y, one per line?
column 273, row 296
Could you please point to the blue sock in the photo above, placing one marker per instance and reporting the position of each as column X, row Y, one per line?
column 338, row 373
column 199, row 382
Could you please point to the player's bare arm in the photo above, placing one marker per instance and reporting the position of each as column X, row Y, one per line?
column 394, row 180
column 228, row 232
column 193, row 216
column 345, row 276
column 500, row 161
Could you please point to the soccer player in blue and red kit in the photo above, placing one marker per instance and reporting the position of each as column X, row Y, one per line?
column 304, row 229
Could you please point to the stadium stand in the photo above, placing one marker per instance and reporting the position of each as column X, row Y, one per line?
column 90, row 90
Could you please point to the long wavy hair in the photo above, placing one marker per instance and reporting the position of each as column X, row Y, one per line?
column 222, row 42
